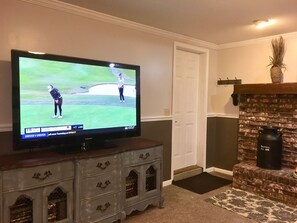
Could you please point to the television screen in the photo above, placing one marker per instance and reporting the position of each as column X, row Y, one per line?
column 66, row 101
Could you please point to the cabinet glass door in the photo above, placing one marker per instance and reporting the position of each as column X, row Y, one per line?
column 22, row 210
column 150, row 179
column 57, row 205
column 132, row 184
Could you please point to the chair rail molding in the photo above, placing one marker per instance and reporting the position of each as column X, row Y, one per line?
column 5, row 127
column 222, row 115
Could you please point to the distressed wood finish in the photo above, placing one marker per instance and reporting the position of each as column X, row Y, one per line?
column 139, row 162
column 94, row 181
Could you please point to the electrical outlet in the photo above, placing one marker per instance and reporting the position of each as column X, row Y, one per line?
column 166, row 111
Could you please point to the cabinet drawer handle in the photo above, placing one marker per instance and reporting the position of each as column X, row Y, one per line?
column 103, row 166
column 103, row 208
column 103, row 186
column 144, row 156
column 38, row 176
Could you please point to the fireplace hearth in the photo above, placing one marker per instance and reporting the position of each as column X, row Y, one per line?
column 276, row 185
column 262, row 105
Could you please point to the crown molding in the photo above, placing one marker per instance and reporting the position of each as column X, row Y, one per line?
column 76, row 10
column 72, row 9
column 255, row 41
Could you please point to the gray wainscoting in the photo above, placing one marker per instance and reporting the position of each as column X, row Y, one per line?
column 160, row 131
column 221, row 142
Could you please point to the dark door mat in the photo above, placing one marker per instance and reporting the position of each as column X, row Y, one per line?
column 202, row 183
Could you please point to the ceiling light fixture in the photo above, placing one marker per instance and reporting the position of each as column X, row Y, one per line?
column 260, row 24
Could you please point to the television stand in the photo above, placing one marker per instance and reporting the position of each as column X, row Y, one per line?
column 102, row 185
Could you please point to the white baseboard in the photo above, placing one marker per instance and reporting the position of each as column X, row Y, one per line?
column 167, row 183
column 210, row 169
column 219, row 170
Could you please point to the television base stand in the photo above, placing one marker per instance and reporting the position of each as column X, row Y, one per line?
column 85, row 146
column 93, row 145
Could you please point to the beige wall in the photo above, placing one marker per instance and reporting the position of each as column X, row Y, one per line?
column 249, row 63
column 32, row 27
column 28, row 26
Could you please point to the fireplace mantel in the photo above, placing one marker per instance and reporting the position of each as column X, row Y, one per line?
column 283, row 88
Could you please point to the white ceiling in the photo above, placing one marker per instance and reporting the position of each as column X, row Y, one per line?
column 215, row 21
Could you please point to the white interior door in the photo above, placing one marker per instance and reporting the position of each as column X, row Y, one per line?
column 185, row 107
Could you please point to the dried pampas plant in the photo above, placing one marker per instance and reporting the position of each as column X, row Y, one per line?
column 278, row 50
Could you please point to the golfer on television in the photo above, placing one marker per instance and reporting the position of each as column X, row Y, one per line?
column 121, row 87
column 58, row 100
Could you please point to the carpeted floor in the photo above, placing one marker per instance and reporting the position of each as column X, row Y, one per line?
column 184, row 206
column 254, row 207
column 202, row 183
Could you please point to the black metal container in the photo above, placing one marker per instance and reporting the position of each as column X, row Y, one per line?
column 269, row 151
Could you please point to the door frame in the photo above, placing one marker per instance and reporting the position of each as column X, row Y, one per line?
column 202, row 99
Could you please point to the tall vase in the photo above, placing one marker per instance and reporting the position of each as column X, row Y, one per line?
column 276, row 75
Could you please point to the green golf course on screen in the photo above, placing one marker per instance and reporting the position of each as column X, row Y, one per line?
column 89, row 93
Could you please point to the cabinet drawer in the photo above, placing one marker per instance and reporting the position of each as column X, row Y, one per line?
column 94, row 209
column 95, row 166
column 141, row 156
column 24, row 178
column 101, row 184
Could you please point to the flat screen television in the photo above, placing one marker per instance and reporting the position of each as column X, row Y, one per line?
column 71, row 103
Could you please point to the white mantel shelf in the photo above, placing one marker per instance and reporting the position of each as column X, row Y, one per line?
column 283, row 88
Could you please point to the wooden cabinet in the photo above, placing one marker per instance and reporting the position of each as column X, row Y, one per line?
column 26, row 178
column 38, row 194
column 99, row 186
column 142, row 179
column 98, row 189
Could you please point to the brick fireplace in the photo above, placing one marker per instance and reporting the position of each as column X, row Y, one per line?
column 267, row 105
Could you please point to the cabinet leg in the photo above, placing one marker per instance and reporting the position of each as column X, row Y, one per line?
column 123, row 216
column 161, row 202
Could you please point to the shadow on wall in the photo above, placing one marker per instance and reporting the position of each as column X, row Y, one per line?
column 6, row 143
column 5, row 94
column 230, row 108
